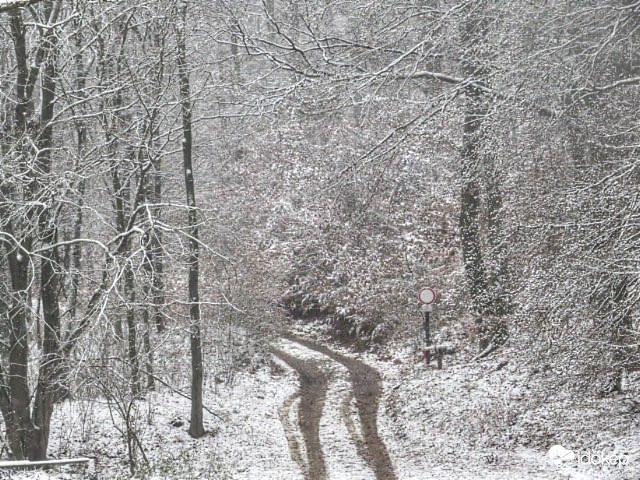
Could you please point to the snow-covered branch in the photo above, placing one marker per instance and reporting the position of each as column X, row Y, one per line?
column 6, row 5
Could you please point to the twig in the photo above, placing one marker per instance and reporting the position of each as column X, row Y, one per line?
column 174, row 390
column 11, row 4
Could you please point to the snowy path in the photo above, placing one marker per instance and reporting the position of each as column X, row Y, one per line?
column 338, row 407
column 313, row 389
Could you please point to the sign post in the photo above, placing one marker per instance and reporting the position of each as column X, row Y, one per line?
column 426, row 296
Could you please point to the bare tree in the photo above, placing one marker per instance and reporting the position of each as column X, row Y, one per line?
column 28, row 422
column 196, row 427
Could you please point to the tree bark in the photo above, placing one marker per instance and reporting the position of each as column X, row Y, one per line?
column 75, row 260
column 132, row 329
column 28, row 430
column 196, row 429
column 486, row 292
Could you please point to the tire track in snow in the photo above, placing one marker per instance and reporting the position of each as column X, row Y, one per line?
column 313, row 390
column 367, row 390
column 292, row 432
column 339, row 423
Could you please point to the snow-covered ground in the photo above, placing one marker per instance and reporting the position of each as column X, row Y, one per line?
column 338, row 426
column 246, row 441
column 491, row 420
column 472, row 420
column 497, row 419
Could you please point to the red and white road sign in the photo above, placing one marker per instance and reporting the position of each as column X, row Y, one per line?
column 427, row 295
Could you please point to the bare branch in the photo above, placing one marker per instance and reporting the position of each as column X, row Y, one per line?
column 6, row 5
column 620, row 83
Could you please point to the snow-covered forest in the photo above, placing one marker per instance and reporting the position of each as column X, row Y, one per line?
column 215, row 218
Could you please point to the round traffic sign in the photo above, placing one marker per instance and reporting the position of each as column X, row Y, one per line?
column 427, row 295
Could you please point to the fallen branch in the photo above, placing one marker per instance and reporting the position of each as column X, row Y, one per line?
column 492, row 347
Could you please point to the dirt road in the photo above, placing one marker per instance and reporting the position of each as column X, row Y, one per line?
column 364, row 386
column 313, row 388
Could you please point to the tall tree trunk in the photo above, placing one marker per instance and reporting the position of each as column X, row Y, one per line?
column 156, row 251
column 148, row 350
column 28, row 431
column 17, row 415
column 149, row 250
column 157, row 258
column 470, row 196
column 32, row 428
column 48, row 386
column 196, row 429
column 121, row 194
column 132, row 329
column 486, row 291
column 16, row 401
column 75, row 260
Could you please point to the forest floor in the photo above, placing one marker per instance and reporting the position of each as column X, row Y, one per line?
column 313, row 412
column 398, row 418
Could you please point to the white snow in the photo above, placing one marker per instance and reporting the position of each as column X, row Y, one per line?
column 472, row 420
column 468, row 421
column 246, row 442
column 338, row 447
